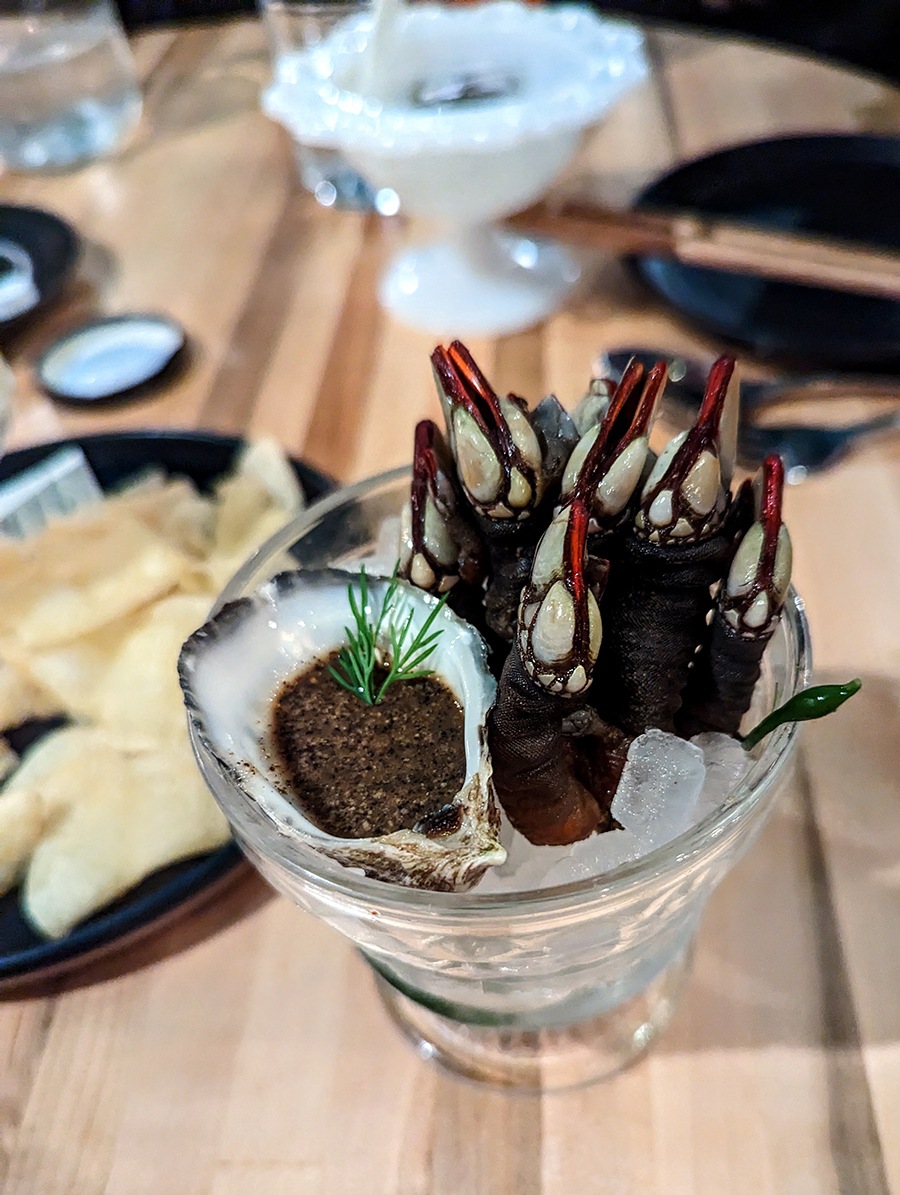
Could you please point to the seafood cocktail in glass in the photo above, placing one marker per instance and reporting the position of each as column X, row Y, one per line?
column 563, row 974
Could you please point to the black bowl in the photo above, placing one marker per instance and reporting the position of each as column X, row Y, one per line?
column 203, row 457
column 834, row 185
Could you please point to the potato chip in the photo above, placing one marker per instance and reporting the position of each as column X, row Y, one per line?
column 9, row 761
column 118, row 565
column 221, row 564
column 125, row 674
column 139, row 695
column 171, row 508
column 22, row 697
column 142, row 811
column 260, row 496
column 70, row 673
column 241, row 504
column 263, row 460
column 58, row 767
column 22, row 821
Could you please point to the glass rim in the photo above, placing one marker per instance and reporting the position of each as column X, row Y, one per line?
column 675, row 855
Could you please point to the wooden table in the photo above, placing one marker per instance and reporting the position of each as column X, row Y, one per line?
column 243, row 1050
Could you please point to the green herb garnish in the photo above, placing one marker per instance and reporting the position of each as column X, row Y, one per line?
column 802, row 707
column 357, row 661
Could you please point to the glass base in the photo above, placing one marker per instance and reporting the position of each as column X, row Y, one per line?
column 483, row 282
column 542, row 1059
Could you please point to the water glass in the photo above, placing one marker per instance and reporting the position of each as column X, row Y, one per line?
column 294, row 27
column 68, row 89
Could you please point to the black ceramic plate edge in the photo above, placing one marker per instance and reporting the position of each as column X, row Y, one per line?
column 53, row 246
column 717, row 183
column 114, row 456
column 173, row 368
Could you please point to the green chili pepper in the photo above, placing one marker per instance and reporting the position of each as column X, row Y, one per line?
column 802, row 707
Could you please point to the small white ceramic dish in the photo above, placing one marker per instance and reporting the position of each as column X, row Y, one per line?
column 111, row 358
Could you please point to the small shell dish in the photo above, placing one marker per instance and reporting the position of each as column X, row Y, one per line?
column 232, row 668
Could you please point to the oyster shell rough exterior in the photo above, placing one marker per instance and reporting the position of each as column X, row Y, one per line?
column 232, row 668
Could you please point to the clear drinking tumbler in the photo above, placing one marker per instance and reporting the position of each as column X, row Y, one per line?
column 296, row 27
column 68, row 88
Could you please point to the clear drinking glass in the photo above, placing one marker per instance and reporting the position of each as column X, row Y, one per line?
column 545, row 989
column 68, row 88
column 294, row 27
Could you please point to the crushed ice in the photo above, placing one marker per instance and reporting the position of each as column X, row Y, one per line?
column 667, row 786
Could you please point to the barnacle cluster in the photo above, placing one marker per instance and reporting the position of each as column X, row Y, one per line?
column 618, row 591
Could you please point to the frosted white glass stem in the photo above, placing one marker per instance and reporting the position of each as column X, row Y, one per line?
column 479, row 279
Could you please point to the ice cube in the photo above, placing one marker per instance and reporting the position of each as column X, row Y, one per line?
column 660, row 785
column 567, row 871
column 603, row 852
column 656, row 801
column 726, row 764
column 526, row 865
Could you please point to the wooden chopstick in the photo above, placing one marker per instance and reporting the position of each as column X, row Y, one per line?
column 699, row 240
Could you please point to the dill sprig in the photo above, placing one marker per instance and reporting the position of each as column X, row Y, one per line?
column 358, row 660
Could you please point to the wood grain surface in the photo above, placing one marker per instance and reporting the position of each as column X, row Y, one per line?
column 243, row 1050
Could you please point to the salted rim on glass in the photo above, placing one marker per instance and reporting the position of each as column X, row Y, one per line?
column 762, row 775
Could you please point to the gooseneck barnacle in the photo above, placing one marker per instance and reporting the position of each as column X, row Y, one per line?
column 659, row 596
column 503, row 471
column 684, row 497
column 606, row 466
column 593, row 404
column 556, row 786
column 497, row 452
column 757, row 583
column 439, row 547
column 747, row 609
column 559, row 627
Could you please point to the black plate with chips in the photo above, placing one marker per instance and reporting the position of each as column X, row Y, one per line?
column 114, row 457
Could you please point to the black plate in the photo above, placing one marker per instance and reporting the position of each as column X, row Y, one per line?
column 843, row 186
column 203, row 457
column 52, row 245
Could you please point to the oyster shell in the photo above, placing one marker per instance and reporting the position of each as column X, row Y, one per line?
column 233, row 667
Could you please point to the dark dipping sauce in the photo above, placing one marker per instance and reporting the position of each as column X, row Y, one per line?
column 359, row 771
